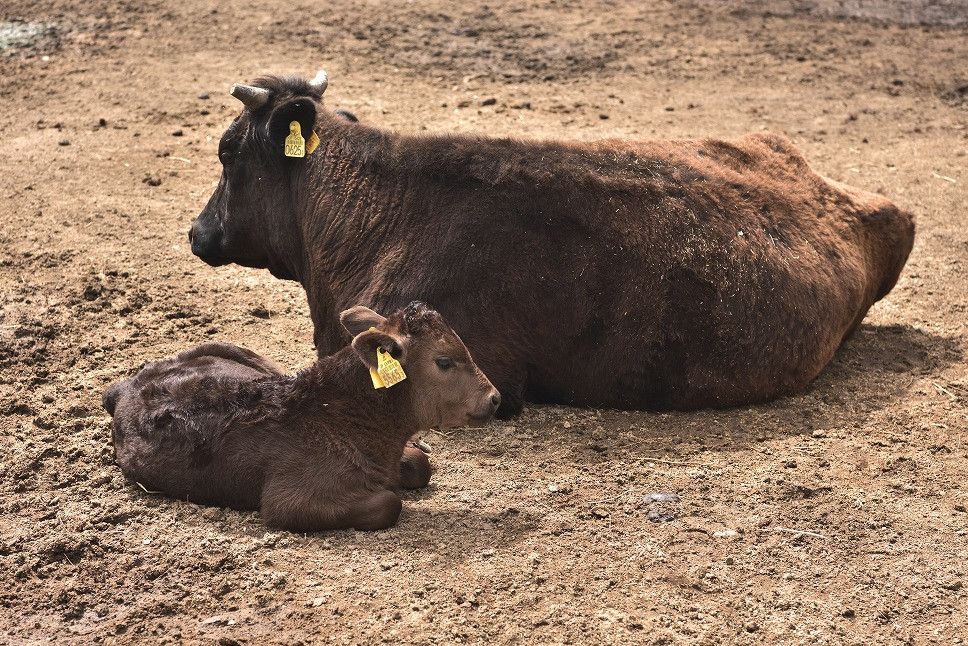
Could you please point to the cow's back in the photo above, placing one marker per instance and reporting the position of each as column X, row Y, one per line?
column 630, row 274
column 756, row 271
column 680, row 275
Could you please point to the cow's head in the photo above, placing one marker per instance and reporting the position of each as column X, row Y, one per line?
column 250, row 218
column 446, row 386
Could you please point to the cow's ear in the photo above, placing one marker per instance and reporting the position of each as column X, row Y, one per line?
column 302, row 110
column 366, row 344
column 359, row 319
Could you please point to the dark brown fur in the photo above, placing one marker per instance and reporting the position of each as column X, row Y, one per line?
column 318, row 450
column 629, row 274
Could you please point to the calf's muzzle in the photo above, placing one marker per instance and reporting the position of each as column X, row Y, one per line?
column 488, row 406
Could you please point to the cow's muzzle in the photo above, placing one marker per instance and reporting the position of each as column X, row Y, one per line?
column 206, row 243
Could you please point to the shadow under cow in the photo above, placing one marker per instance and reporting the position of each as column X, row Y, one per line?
column 871, row 372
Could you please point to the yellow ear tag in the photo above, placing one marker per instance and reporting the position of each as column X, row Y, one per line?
column 312, row 143
column 388, row 369
column 295, row 144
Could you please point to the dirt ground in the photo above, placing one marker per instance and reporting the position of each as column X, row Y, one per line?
column 834, row 516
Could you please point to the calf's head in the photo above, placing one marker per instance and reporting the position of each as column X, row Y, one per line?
column 447, row 387
column 250, row 219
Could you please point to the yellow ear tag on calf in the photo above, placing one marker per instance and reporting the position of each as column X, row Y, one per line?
column 312, row 143
column 295, row 144
column 388, row 369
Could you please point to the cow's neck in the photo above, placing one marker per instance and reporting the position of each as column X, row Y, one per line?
column 354, row 203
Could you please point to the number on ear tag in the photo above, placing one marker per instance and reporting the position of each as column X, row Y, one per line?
column 295, row 144
column 377, row 380
column 389, row 369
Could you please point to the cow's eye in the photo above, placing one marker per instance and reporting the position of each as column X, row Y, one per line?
column 444, row 363
column 226, row 158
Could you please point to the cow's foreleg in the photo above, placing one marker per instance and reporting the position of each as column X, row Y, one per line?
column 511, row 384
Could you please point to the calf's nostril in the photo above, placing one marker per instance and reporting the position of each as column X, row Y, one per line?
column 191, row 234
column 495, row 400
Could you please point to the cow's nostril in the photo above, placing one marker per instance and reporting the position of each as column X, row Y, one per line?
column 191, row 234
column 496, row 400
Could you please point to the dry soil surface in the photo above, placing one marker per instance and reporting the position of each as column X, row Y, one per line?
column 834, row 516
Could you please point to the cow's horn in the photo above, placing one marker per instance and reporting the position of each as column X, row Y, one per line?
column 251, row 97
column 319, row 82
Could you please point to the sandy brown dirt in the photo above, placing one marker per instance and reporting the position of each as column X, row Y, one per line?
column 834, row 516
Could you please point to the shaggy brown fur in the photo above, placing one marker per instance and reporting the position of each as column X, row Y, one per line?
column 319, row 450
column 628, row 274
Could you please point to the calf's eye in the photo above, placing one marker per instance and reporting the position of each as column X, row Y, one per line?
column 225, row 157
column 444, row 363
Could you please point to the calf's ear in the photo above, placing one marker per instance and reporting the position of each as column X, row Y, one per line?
column 366, row 343
column 359, row 319
column 302, row 109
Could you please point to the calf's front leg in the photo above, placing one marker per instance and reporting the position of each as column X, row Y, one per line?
column 364, row 510
column 414, row 469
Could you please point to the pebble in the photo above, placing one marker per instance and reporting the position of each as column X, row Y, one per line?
column 661, row 515
column 177, row 133
column 63, row 142
column 203, row 96
column 490, row 101
column 661, row 497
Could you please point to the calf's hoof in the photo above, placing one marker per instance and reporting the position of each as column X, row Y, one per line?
column 414, row 468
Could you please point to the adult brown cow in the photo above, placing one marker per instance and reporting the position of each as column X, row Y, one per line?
column 618, row 273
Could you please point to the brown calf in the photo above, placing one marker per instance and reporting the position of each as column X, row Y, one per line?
column 321, row 449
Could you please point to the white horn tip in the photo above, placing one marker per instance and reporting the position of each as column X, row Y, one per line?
column 320, row 81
